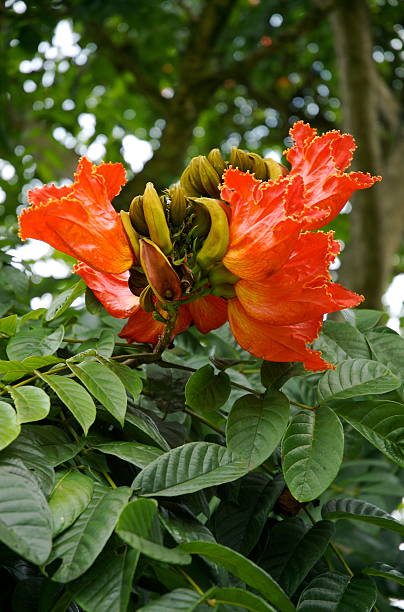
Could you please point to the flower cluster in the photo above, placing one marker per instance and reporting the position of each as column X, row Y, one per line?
column 232, row 241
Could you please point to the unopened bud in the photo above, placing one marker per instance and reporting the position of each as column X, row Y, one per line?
column 201, row 220
column 209, row 177
column 137, row 216
column 190, row 180
column 215, row 244
column 155, row 218
column 137, row 281
column 240, row 159
column 178, row 204
column 130, row 232
column 161, row 276
column 274, row 170
column 258, row 166
column 217, row 161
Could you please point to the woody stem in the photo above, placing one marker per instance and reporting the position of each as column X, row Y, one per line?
column 165, row 337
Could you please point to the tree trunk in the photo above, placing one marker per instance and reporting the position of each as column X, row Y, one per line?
column 376, row 220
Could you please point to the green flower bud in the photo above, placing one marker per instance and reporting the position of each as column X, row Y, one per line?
column 178, row 206
column 208, row 176
column 137, row 216
column 217, row 161
column 156, row 220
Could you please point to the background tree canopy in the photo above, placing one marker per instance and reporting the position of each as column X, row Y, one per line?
column 186, row 76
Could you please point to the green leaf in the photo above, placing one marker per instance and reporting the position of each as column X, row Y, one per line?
column 31, row 403
column 142, row 421
column 255, row 426
column 9, row 425
column 179, row 599
column 340, row 341
column 240, row 518
column 93, row 304
column 13, row 370
column 294, row 551
column 61, row 302
column 107, row 585
column 133, row 452
column 80, row 544
column 128, row 376
column 33, row 315
column 381, row 422
column 77, row 400
column 207, row 391
column 26, row 450
column 312, row 452
column 104, row 385
column 53, row 443
column 134, row 527
column 34, row 342
column 366, row 318
column 331, row 592
column 189, row 468
column 244, row 569
column 384, row 571
column 106, row 343
column 388, row 348
column 185, row 529
column 356, row 377
column 70, row 496
column 237, row 597
column 358, row 510
column 25, row 519
column 275, row 374
column 8, row 325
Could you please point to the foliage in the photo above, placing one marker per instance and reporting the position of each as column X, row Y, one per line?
column 198, row 479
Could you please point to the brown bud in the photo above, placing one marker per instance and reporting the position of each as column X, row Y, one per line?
column 161, row 276
column 137, row 281
column 137, row 216
column 217, row 161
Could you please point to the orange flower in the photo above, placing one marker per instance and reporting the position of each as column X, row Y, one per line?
column 285, row 287
column 273, row 283
column 80, row 220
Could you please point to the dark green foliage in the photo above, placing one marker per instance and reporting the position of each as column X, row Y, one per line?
column 133, row 517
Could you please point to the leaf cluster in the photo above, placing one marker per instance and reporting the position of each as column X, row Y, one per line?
column 199, row 479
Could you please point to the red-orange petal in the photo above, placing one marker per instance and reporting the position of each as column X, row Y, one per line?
column 82, row 224
column 111, row 289
column 208, row 313
column 42, row 195
column 142, row 327
column 320, row 161
column 288, row 305
column 264, row 225
column 301, row 290
column 274, row 342
column 114, row 176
